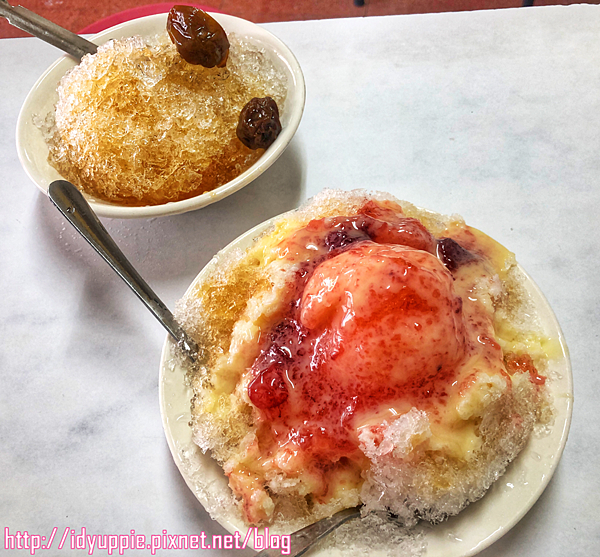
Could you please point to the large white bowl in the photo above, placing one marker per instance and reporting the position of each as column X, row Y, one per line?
column 33, row 151
column 464, row 535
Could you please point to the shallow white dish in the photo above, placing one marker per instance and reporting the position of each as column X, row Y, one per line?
column 466, row 534
column 33, row 151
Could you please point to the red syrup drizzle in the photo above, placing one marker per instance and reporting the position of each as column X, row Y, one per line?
column 524, row 364
column 337, row 355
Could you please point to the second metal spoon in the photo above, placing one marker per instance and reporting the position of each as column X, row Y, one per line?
column 71, row 203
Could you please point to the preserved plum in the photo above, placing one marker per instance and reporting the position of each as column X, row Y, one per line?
column 199, row 38
column 259, row 123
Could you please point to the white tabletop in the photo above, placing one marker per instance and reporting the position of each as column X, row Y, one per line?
column 493, row 115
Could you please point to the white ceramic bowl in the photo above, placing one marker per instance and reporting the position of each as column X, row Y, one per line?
column 466, row 534
column 33, row 151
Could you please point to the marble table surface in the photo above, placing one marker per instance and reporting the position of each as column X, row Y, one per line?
column 493, row 115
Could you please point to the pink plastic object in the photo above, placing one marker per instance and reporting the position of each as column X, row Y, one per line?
column 138, row 11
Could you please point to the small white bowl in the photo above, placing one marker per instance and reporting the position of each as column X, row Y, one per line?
column 471, row 531
column 33, row 151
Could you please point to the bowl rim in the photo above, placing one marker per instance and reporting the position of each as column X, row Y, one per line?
column 296, row 90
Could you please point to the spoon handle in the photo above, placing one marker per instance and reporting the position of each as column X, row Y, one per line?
column 50, row 32
column 71, row 203
column 302, row 540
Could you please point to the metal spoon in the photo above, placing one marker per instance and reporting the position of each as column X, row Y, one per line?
column 302, row 540
column 46, row 30
column 71, row 203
